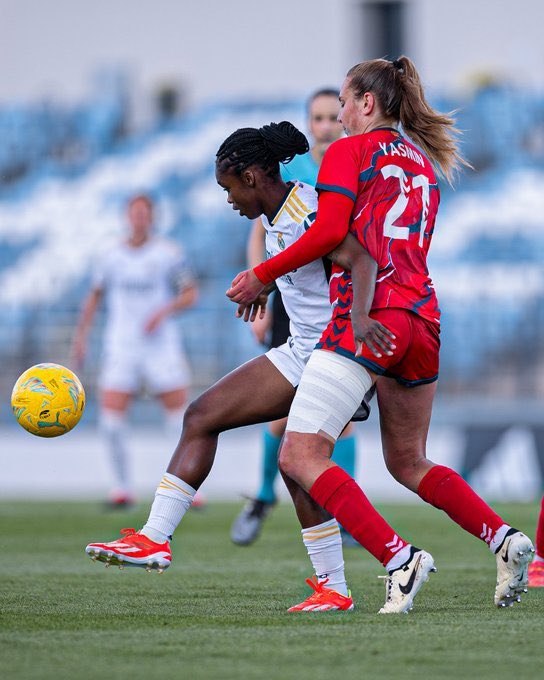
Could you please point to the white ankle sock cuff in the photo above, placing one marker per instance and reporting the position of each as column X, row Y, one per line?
column 399, row 558
column 174, row 487
column 172, row 500
column 498, row 538
column 324, row 545
column 320, row 532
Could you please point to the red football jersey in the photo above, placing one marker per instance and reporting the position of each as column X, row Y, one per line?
column 396, row 199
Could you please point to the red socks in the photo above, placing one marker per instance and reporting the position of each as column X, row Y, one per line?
column 340, row 495
column 442, row 487
column 445, row 489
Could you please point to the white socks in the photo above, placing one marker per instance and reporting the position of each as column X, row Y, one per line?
column 112, row 424
column 399, row 558
column 172, row 500
column 498, row 538
column 324, row 545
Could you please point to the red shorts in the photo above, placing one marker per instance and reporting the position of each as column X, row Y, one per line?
column 414, row 361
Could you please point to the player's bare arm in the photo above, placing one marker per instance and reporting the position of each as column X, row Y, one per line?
column 256, row 311
column 186, row 297
column 88, row 312
column 327, row 232
column 350, row 255
column 255, row 252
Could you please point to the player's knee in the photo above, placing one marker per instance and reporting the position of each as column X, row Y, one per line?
column 394, row 469
column 403, row 466
column 196, row 418
column 287, row 460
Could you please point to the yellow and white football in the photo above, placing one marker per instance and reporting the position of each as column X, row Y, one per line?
column 48, row 400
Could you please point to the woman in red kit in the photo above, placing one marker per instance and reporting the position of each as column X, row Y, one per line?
column 377, row 185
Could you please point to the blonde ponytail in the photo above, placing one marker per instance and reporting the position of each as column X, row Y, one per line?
column 400, row 95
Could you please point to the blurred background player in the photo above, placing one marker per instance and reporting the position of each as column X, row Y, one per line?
column 273, row 330
column 146, row 280
column 536, row 568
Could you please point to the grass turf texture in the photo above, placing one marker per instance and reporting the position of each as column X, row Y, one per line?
column 220, row 610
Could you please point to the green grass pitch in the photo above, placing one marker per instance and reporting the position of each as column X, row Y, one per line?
column 220, row 610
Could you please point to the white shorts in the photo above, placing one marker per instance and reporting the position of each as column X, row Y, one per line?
column 160, row 368
column 290, row 359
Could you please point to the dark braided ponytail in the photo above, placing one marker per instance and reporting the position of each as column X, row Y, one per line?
column 265, row 147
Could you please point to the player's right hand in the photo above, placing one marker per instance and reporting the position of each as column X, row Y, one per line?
column 367, row 331
column 253, row 310
column 245, row 288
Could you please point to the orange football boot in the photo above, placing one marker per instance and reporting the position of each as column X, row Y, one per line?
column 536, row 575
column 323, row 599
column 133, row 550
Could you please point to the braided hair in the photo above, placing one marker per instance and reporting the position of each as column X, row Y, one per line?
column 265, row 147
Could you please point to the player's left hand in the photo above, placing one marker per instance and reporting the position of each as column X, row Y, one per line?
column 254, row 309
column 373, row 334
column 245, row 288
column 154, row 321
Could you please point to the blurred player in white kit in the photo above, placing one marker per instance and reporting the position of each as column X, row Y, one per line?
column 145, row 280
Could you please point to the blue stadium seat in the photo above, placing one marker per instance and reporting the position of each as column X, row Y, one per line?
column 487, row 233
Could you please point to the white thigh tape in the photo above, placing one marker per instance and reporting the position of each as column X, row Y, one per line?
column 330, row 391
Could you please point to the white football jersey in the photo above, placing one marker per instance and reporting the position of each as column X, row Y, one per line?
column 305, row 291
column 137, row 282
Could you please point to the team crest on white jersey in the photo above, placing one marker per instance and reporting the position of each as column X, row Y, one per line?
column 305, row 291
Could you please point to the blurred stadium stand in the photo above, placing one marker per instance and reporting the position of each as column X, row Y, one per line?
column 48, row 138
column 65, row 175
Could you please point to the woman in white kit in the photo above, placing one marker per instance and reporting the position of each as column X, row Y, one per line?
column 261, row 390
column 145, row 280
